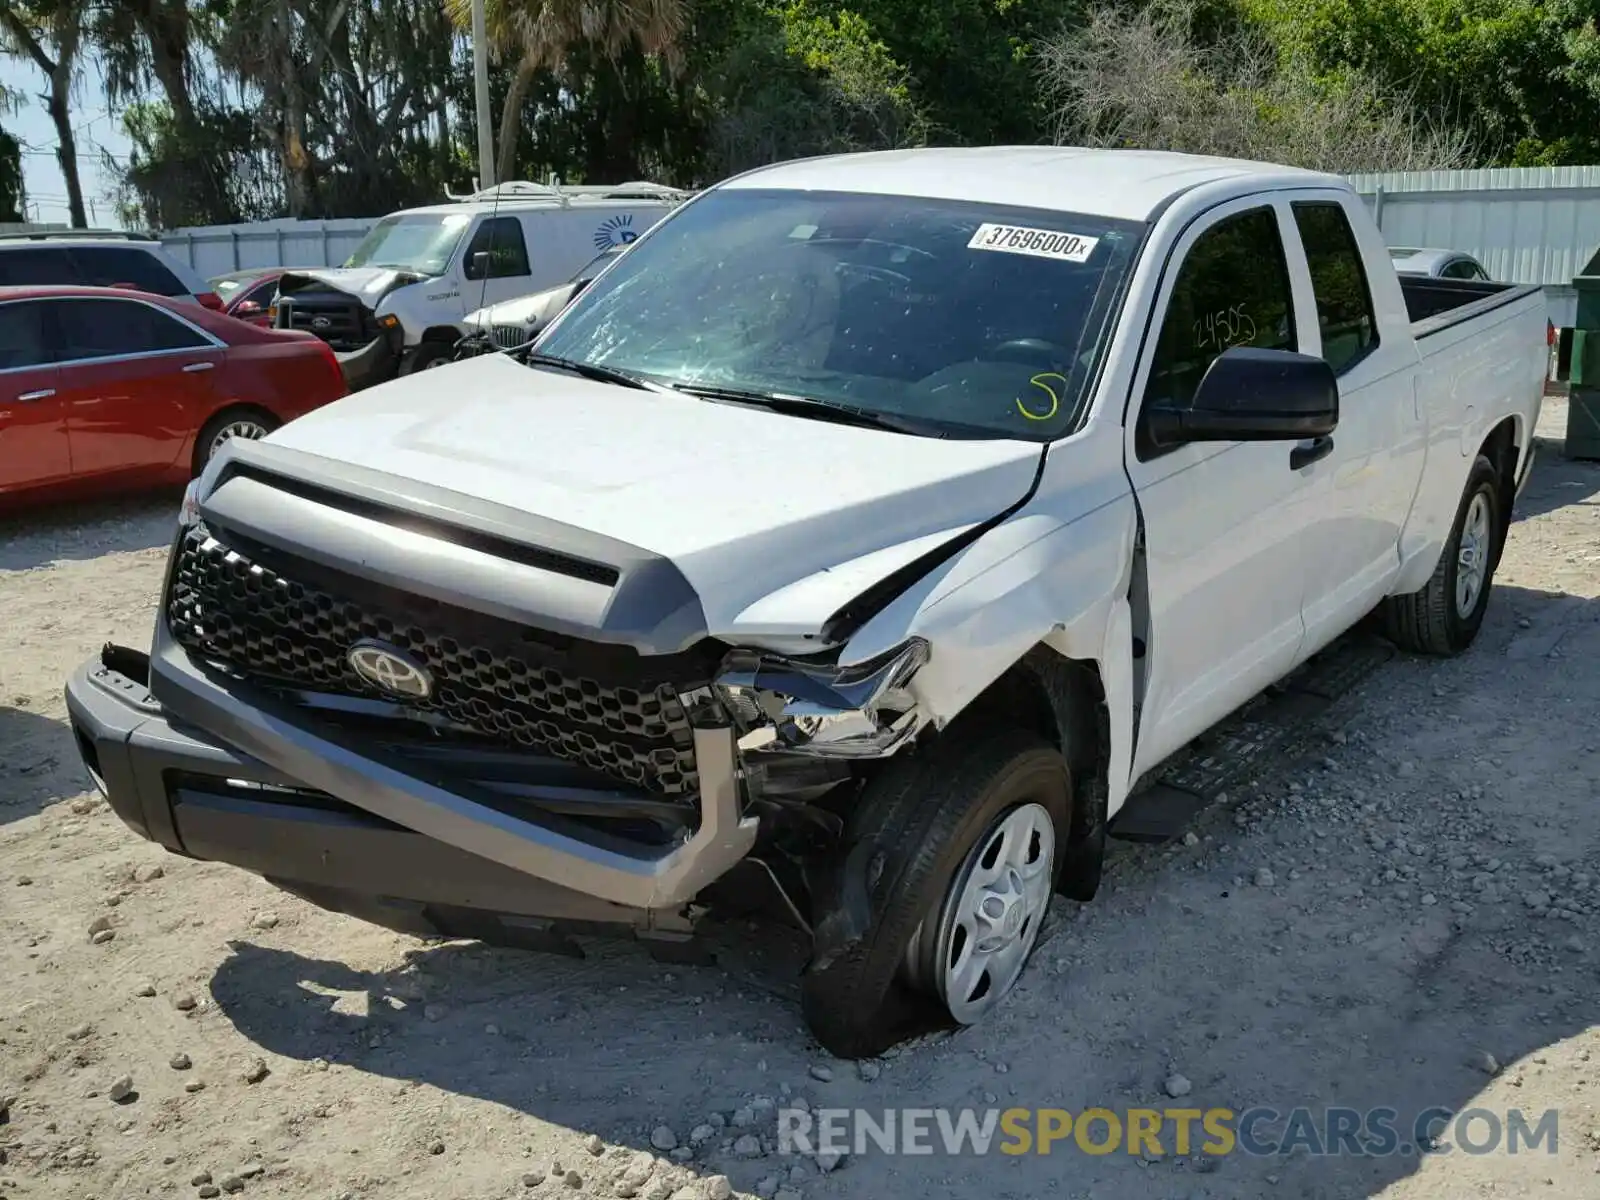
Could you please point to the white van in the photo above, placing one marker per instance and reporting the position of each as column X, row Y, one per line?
column 399, row 303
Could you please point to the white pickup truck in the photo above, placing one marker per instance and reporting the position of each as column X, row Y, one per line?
column 868, row 530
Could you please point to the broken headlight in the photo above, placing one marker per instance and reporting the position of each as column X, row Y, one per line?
column 862, row 710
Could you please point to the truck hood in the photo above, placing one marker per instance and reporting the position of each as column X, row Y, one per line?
column 522, row 310
column 746, row 503
column 368, row 284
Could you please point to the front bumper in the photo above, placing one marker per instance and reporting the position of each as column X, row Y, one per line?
column 222, row 774
column 376, row 362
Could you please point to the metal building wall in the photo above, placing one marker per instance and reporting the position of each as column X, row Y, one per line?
column 1526, row 225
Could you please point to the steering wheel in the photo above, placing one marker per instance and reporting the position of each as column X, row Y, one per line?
column 1032, row 350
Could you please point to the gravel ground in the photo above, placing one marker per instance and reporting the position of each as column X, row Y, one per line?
column 1410, row 918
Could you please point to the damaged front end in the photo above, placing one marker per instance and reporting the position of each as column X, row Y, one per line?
column 343, row 312
column 808, row 733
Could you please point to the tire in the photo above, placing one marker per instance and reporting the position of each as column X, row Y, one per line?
column 426, row 356
column 1444, row 617
column 883, row 905
column 249, row 423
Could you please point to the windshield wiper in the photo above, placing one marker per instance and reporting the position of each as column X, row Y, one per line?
column 599, row 374
column 819, row 410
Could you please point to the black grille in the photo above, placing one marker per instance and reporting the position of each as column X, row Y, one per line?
column 286, row 623
column 341, row 321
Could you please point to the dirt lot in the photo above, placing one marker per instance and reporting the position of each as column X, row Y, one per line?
column 1359, row 929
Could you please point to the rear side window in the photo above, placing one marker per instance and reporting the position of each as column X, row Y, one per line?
column 501, row 238
column 107, row 266
column 109, row 328
column 23, row 338
column 1339, row 282
column 36, row 266
column 1232, row 290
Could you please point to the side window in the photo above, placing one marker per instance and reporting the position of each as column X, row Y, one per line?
column 37, row 266
column 263, row 293
column 109, row 328
column 1232, row 290
column 1339, row 281
column 24, row 339
column 106, row 266
column 501, row 239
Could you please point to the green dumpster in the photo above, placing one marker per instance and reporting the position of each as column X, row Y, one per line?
column 1583, row 405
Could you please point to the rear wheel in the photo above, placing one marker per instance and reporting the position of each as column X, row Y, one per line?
column 247, row 423
column 1444, row 617
column 934, row 903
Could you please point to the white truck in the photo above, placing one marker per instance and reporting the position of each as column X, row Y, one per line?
column 401, row 300
column 869, row 529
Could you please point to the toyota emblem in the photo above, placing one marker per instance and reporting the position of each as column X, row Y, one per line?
column 390, row 671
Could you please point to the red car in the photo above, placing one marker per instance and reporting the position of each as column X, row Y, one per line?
column 105, row 390
column 249, row 294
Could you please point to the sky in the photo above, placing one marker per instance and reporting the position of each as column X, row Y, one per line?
column 96, row 130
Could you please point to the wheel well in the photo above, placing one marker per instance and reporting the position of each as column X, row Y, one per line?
column 441, row 333
column 1062, row 700
column 1501, row 449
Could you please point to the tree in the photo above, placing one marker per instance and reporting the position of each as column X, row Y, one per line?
column 1523, row 75
column 140, row 42
column 540, row 35
column 49, row 33
column 1143, row 79
column 13, row 195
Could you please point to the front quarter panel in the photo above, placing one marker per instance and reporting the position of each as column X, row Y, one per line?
column 424, row 304
column 1056, row 573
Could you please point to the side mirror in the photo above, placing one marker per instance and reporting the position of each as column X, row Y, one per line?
column 478, row 265
column 1253, row 395
column 248, row 308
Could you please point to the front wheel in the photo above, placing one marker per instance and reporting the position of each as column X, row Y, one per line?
column 247, row 423
column 1444, row 617
column 936, row 896
column 426, row 356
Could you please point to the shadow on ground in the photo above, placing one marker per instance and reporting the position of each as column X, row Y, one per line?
column 1558, row 481
column 77, row 532
column 39, row 763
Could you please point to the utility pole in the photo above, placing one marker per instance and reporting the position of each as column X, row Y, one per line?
column 480, row 79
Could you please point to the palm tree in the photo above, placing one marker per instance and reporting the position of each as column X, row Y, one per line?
column 541, row 32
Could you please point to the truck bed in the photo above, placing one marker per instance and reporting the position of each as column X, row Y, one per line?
column 1438, row 304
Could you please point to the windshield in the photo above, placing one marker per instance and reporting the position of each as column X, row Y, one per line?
column 972, row 315
column 420, row 242
column 226, row 285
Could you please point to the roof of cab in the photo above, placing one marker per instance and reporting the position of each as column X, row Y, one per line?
column 1125, row 184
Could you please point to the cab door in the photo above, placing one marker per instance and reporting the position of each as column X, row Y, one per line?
column 1370, row 476
column 33, row 425
column 1224, row 523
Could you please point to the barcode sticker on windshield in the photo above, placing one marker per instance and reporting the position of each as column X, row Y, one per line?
column 1040, row 243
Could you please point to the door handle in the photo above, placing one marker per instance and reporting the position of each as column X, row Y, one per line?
column 1304, row 456
column 199, row 366
column 41, row 394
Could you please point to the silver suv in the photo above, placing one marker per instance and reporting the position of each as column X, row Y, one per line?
column 95, row 258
